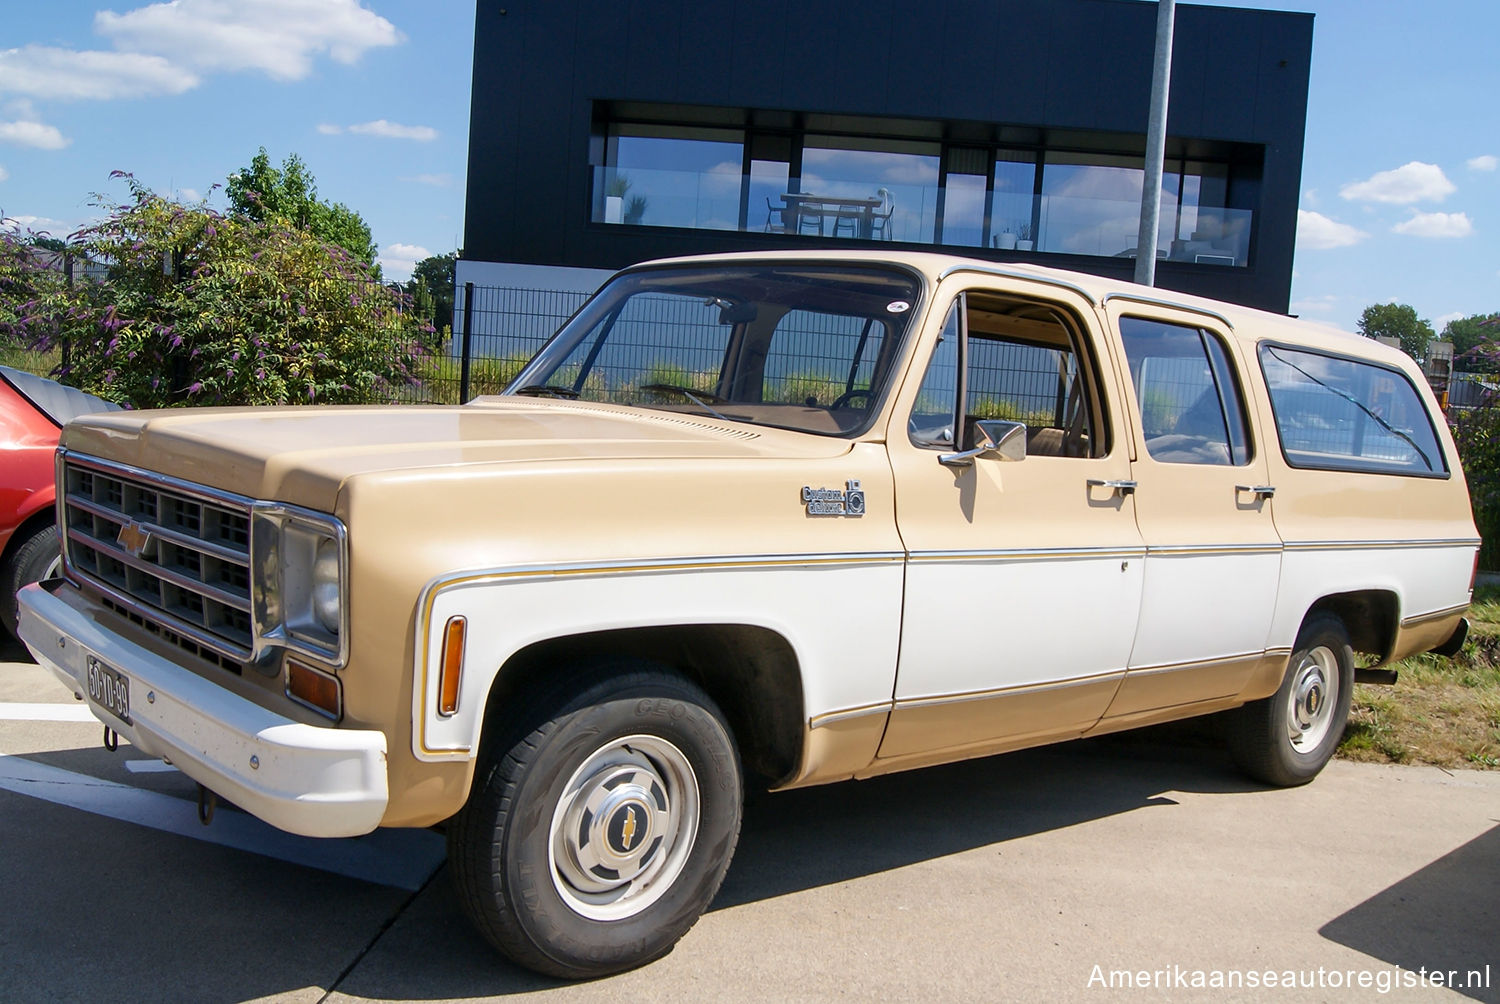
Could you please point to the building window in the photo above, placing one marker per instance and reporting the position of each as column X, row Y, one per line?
column 843, row 174
column 731, row 171
column 669, row 176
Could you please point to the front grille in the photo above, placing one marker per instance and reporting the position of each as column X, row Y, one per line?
column 163, row 551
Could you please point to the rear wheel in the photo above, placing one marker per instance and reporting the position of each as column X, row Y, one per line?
column 35, row 557
column 1287, row 738
column 594, row 842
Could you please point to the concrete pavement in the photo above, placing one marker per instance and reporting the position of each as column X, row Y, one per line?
column 1041, row 875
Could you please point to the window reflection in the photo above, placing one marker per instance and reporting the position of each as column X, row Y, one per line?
column 824, row 186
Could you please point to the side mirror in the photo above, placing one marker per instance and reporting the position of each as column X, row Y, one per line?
column 997, row 438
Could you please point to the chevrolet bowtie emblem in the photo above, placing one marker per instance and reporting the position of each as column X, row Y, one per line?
column 629, row 831
column 133, row 538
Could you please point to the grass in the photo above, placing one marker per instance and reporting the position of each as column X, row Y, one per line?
column 1443, row 712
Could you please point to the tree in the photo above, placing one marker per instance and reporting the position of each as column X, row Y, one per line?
column 1474, row 339
column 263, row 193
column 205, row 309
column 1399, row 321
column 433, row 277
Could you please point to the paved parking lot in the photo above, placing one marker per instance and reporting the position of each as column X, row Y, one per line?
column 1041, row 875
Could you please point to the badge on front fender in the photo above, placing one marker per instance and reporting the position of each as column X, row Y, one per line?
column 833, row 502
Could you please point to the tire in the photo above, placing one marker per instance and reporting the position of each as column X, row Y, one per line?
column 1287, row 738
column 34, row 558
column 593, row 843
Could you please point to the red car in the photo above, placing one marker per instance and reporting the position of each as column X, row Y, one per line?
column 33, row 411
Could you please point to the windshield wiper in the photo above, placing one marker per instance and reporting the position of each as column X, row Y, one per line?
column 548, row 390
column 698, row 397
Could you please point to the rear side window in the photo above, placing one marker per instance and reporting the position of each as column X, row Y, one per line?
column 1342, row 414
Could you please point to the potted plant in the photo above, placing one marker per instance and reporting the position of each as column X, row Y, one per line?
column 614, row 198
column 1005, row 240
column 1023, row 238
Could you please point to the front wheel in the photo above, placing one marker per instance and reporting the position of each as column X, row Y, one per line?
column 35, row 558
column 592, row 844
column 1287, row 738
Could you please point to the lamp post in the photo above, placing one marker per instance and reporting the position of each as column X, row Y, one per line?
column 1156, row 146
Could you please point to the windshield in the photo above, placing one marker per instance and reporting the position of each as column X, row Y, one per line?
column 797, row 346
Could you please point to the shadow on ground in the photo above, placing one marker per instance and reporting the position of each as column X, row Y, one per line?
column 1444, row 917
column 799, row 840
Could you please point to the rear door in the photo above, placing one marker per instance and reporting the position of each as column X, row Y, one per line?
column 1204, row 507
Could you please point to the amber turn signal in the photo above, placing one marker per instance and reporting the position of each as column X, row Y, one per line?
column 314, row 688
column 453, row 665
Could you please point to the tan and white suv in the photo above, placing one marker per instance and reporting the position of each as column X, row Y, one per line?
column 800, row 517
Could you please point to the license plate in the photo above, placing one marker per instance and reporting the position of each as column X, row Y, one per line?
column 109, row 689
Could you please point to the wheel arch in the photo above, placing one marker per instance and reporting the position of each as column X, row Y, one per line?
column 1370, row 617
column 752, row 673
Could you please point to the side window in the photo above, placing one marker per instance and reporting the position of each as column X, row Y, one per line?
column 1020, row 363
column 1347, row 415
column 1192, row 411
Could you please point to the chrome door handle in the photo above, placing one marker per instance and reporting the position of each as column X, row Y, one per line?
column 1123, row 487
column 1261, row 491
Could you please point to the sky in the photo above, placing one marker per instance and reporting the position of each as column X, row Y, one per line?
column 1401, row 172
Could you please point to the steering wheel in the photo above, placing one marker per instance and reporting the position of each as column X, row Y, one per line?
column 847, row 396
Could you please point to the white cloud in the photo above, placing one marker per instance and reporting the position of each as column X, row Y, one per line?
column 1317, row 232
column 45, row 72
column 165, row 48
column 1315, row 305
column 1310, row 198
column 1439, row 323
column 4, row 174
column 1413, row 182
column 36, row 224
column 1435, row 225
column 43, row 137
column 1488, row 162
column 399, row 259
column 277, row 37
column 329, row 129
column 436, row 180
column 189, row 195
column 395, row 130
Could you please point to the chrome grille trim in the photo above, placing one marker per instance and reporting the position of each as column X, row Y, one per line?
column 190, row 567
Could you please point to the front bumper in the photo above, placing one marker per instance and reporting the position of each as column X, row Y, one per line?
column 306, row 779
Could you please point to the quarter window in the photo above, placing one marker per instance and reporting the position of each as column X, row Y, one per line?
column 1191, row 409
column 1347, row 415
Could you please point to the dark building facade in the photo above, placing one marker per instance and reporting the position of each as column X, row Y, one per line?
column 607, row 133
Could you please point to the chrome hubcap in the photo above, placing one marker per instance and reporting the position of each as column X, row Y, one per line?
column 1315, row 683
column 624, row 827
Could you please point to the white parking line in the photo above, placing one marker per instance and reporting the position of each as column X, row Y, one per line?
column 149, row 766
column 404, row 859
column 46, row 713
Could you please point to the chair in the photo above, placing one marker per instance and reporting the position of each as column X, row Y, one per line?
column 810, row 213
column 846, row 221
column 775, row 218
column 880, row 223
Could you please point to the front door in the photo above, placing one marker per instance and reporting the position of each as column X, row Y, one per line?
column 1024, row 577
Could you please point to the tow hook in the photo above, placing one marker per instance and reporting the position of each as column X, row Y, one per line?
column 207, row 801
column 111, row 739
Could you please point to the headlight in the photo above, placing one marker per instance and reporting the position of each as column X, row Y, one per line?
column 325, row 585
column 299, row 559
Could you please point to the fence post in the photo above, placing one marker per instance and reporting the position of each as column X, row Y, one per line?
column 466, row 350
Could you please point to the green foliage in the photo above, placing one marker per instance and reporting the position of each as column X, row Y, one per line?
column 265, row 194
column 1473, row 338
column 797, row 388
column 206, row 309
column 1400, row 321
column 1476, row 432
column 434, row 278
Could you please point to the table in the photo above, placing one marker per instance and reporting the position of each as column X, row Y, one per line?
column 800, row 204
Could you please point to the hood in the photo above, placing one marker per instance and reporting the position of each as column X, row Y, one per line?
column 303, row 455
